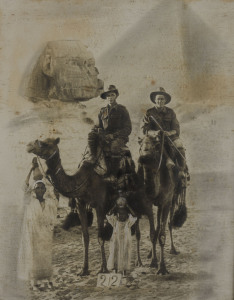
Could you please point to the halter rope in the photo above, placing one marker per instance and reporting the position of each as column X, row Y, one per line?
column 160, row 127
column 161, row 154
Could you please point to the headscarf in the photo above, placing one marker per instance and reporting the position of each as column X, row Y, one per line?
column 36, row 182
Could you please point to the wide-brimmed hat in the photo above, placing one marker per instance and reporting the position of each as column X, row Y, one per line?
column 111, row 89
column 160, row 91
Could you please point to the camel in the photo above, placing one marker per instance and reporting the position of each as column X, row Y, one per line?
column 87, row 187
column 160, row 186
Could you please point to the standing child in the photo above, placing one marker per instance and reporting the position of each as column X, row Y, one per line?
column 121, row 217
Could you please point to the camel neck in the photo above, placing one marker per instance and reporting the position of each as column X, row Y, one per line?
column 54, row 162
column 67, row 185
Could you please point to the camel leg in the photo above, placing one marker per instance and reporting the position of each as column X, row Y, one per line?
column 149, row 212
column 162, row 239
column 138, row 262
column 173, row 249
column 85, row 236
column 100, row 221
column 154, row 261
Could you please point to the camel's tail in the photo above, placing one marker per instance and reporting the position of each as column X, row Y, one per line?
column 107, row 232
column 180, row 213
column 180, row 216
column 71, row 220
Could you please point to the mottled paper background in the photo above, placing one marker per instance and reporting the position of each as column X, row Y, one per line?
column 185, row 46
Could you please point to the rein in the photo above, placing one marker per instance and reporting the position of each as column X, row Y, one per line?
column 173, row 144
column 161, row 153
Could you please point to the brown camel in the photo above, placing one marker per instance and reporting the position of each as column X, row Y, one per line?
column 85, row 186
column 159, row 184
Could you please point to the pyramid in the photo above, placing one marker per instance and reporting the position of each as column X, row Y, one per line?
column 171, row 47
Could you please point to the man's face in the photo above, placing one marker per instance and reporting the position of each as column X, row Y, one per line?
column 111, row 97
column 160, row 101
column 40, row 190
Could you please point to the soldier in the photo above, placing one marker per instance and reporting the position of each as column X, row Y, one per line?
column 161, row 117
column 114, row 127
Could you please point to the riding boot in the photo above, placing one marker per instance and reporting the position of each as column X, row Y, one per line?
column 92, row 144
column 169, row 162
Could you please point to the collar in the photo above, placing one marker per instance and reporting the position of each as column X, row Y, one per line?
column 161, row 110
column 112, row 107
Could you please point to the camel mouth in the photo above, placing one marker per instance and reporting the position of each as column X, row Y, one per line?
column 30, row 147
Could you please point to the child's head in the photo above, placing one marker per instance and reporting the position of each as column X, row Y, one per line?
column 122, row 210
column 121, row 202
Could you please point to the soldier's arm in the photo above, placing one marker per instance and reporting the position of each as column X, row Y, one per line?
column 100, row 125
column 175, row 124
column 126, row 126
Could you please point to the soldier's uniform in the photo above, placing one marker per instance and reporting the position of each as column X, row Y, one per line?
column 166, row 117
column 167, row 120
column 116, row 121
column 113, row 120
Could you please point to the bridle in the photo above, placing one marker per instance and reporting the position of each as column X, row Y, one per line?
column 161, row 151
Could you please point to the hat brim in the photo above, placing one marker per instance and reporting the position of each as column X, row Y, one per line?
column 105, row 94
column 154, row 94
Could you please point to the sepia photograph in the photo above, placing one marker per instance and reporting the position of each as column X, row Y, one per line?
column 117, row 145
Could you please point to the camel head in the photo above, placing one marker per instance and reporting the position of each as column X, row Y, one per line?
column 44, row 149
column 149, row 145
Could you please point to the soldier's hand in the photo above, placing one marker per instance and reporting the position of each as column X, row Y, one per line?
column 153, row 133
column 94, row 128
column 169, row 133
column 100, row 130
column 109, row 137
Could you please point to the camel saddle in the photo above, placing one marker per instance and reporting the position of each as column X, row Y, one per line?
column 118, row 169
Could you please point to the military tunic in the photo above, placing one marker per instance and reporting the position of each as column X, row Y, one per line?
column 166, row 117
column 116, row 121
column 112, row 120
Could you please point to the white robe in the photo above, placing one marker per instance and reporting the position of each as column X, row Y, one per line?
column 35, row 252
column 120, row 243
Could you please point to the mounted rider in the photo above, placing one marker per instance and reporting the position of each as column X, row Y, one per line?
column 112, row 132
column 163, row 118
